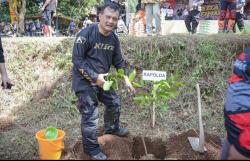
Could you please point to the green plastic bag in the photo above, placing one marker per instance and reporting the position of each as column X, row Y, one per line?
column 51, row 133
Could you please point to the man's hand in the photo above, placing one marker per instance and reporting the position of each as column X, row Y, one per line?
column 129, row 85
column 100, row 80
column 54, row 14
column 43, row 8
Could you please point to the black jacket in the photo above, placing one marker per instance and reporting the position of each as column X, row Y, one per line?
column 1, row 52
column 93, row 54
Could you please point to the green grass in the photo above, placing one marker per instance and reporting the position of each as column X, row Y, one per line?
column 42, row 96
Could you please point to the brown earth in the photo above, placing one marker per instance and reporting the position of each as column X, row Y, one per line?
column 131, row 148
column 5, row 122
column 178, row 147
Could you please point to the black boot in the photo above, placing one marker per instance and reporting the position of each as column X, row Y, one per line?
column 99, row 156
column 122, row 132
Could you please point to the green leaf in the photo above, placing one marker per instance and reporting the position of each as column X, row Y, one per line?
column 155, row 88
column 137, row 85
column 115, row 84
column 107, row 85
column 164, row 97
column 121, row 73
column 51, row 133
column 142, row 82
column 164, row 107
column 132, row 76
column 139, row 98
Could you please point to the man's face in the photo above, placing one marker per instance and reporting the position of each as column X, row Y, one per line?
column 108, row 19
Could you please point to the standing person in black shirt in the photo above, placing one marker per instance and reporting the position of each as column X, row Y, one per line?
column 49, row 11
column 6, row 84
column 96, row 48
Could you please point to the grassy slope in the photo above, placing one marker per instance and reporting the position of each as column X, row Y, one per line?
column 40, row 68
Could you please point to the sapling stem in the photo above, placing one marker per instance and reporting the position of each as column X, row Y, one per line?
column 144, row 145
column 153, row 114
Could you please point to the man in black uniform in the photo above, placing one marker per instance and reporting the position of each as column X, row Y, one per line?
column 6, row 84
column 192, row 20
column 96, row 48
column 49, row 11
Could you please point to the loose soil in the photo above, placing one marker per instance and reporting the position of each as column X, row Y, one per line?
column 5, row 122
column 177, row 147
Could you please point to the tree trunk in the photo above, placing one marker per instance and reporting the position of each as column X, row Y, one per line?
column 21, row 11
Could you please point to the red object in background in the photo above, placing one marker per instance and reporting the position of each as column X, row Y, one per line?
column 228, row 15
column 242, row 122
column 172, row 3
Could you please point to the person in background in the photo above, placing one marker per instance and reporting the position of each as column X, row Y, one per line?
column 170, row 13
column 32, row 28
column 49, row 11
column 46, row 29
column 237, row 111
column 179, row 14
column 240, row 15
column 87, row 22
column 15, row 28
column 6, row 83
column 27, row 28
column 152, row 9
column 227, row 6
column 185, row 12
column 72, row 28
column 7, row 28
column 38, row 27
column 192, row 20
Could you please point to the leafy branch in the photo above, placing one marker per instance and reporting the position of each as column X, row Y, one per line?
column 159, row 95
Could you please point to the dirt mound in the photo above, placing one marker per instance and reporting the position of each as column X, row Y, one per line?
column 178, row 147
column 5, row 122
column 114, row 147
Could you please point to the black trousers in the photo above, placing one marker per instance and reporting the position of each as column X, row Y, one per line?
column 239, row 22
column 192, row 21
column 88, row 107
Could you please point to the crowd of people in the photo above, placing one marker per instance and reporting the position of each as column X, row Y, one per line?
column 146, row 11
column 37, row 28
column 191, row 13
column 7, row 28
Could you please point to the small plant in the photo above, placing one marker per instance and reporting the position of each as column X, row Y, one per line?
column 158, row 95
column 112, row 79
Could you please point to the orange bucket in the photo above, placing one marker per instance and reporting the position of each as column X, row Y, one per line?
column 50, row 149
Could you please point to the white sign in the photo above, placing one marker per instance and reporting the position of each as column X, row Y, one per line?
column 151, row 75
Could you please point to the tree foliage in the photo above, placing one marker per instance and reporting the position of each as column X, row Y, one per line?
column 75, row 9
column 4, row 11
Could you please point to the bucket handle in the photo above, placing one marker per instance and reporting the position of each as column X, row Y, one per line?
column 60, row 147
